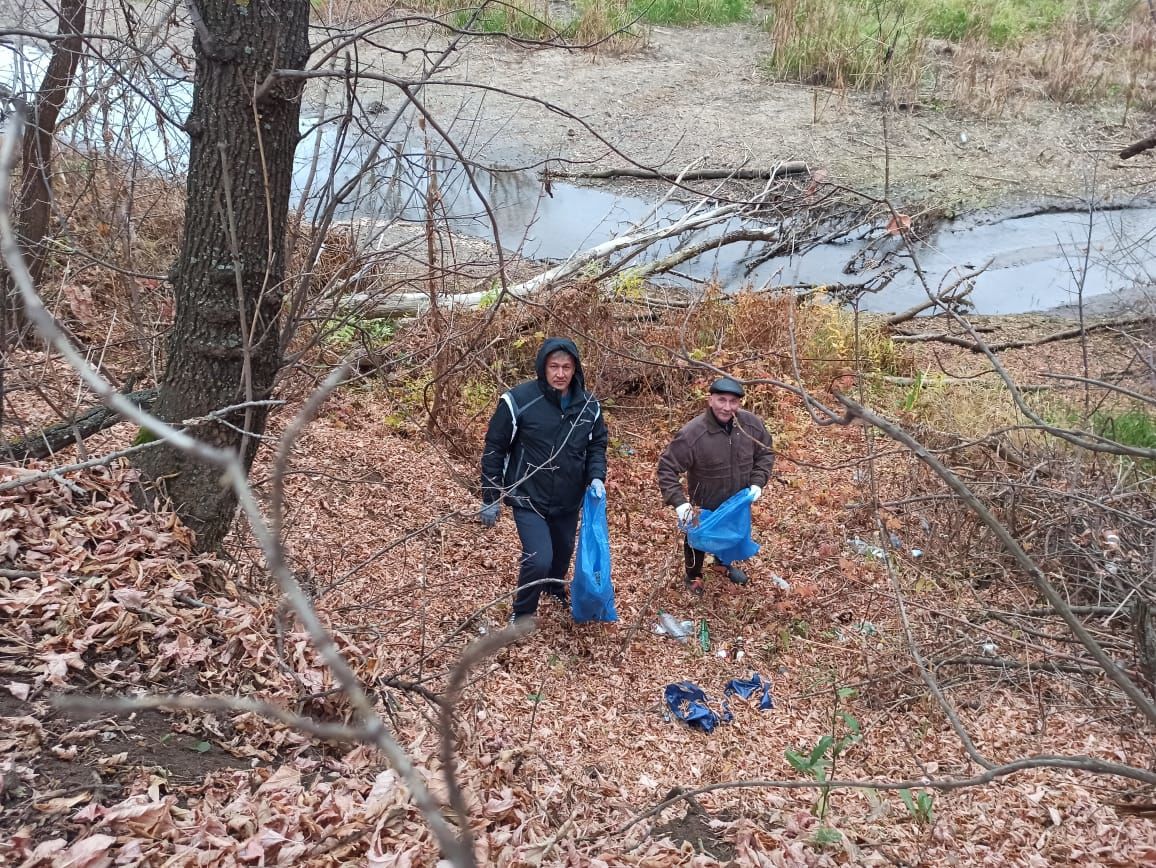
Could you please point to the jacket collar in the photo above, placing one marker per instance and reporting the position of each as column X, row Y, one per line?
column 713, row 424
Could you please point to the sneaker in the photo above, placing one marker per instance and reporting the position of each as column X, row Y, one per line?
column 694, row 584
column 516, row 617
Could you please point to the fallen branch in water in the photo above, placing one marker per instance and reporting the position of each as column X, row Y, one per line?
column 791, row 167
column 952, row 296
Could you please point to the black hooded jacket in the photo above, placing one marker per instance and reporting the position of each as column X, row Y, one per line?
column 545, row 457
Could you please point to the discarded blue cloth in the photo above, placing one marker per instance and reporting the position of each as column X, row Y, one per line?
column 745, row 688
column 591, row 591
column 687, row 701
column 726, row 532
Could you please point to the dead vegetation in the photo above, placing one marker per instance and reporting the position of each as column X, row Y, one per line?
column 561, row 741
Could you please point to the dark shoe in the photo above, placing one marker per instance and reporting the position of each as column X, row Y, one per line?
column 732, row 572
column 737, row 576
column 562, row 597
column 518, row 617
column 694, row 584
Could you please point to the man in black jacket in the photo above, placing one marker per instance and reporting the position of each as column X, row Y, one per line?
column 546, row 443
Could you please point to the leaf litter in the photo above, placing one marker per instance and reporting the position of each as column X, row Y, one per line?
column 562, row 738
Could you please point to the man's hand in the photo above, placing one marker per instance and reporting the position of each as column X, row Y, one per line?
column 598, row 488
column 756, row 492
column 684, row 511
column 489, row 513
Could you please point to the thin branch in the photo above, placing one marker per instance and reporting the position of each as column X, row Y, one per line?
column 98, row 705
column 235, row 476
column 1070, row 763
column 1143, row 702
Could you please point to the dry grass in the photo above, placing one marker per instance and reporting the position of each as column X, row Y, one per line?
column 1072, row 64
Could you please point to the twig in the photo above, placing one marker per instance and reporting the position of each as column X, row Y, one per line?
column 474, row 654
column 1143, row 703
column 19, row 574
column 1005, row 663
column 54, row 473
column 95, row 705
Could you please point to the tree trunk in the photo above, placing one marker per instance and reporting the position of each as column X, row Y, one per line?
column 227, row 280
column 33, row 206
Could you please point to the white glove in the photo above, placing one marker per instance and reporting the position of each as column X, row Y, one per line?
column 756, row 492
column 684, row 512
column 598, row 488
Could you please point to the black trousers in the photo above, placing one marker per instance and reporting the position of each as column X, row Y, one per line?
column 547, row 546
column 694, row 559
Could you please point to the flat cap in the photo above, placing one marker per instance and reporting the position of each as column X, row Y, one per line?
column 727, row 386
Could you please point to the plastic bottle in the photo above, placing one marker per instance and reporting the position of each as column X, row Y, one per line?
column 672, row 627
column 864, row 548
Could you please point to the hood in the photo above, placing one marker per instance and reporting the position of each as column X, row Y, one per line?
column 578, row 384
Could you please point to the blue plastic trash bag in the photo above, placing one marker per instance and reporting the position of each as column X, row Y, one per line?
column 726, row 532
column 591, row 593
column 687, row 701
column 745, row 688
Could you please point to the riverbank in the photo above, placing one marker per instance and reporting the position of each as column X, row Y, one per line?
column 699, row 96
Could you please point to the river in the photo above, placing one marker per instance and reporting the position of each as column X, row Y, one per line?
column 1031, row 262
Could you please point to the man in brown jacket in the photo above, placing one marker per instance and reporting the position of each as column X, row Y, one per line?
column 721, row 452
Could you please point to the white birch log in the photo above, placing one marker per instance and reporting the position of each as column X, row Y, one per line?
column 371, row 305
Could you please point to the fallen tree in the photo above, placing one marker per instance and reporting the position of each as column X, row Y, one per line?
column 628, row 251
column 60, row 435
column 782, row 170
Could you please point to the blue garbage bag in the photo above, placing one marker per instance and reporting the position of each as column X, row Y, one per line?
column 591, row 593
column 726, row 532
column 745, row 688
column 687, row 701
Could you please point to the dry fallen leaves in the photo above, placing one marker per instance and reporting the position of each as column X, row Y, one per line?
column 561, row 739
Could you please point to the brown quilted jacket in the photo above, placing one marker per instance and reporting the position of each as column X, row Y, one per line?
column 716, row 464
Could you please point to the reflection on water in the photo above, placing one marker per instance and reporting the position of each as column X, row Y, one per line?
column 1036, row 261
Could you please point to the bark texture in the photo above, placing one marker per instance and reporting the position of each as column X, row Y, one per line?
column 227, row 281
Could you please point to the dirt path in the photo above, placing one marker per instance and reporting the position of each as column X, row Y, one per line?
column 700, row 95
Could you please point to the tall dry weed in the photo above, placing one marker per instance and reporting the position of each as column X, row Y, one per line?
column 984, row 82
column 1070, row 65
column 116, row 235
column 637, row 361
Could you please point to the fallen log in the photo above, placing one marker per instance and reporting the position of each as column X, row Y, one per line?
column 1145, row 144
column 371, row 305
column 782, row 170
column 1068, row 334
column 55, row 437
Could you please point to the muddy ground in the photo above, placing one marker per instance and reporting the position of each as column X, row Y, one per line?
column 699, row 95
